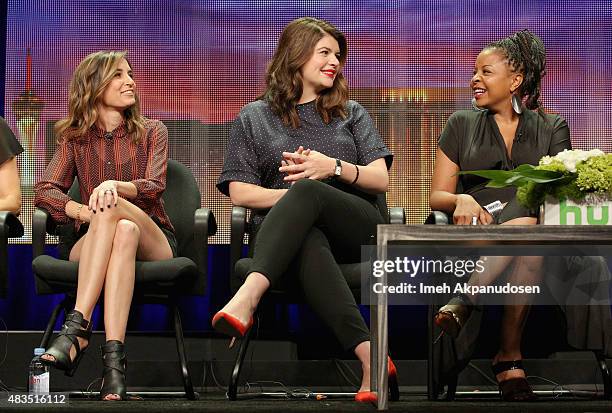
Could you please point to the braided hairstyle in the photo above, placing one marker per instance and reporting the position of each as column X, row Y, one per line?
column 526, row 54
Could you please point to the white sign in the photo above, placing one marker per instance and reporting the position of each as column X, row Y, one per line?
column 570, row 213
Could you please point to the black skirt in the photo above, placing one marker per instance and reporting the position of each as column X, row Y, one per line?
column 68, row 236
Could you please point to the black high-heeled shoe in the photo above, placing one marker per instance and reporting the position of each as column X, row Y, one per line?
column 74, row 326
column 452, row 317
column 115, row 364
column 516, row 389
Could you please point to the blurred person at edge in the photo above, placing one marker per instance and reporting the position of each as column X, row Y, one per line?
column 10, row 190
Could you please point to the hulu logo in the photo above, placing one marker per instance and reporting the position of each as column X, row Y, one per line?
column 565, row 211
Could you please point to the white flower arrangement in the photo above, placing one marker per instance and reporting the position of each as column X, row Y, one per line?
column 572, row 174
column 571, row 158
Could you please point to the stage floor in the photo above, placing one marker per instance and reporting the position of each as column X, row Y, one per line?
column 413, row 404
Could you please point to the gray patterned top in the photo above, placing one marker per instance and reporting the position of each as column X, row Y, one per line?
column 258, row 139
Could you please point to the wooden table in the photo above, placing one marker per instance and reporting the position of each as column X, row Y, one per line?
column 421, row 235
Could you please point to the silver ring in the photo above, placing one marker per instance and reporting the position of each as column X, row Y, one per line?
column 109, row 190
column 474, row 220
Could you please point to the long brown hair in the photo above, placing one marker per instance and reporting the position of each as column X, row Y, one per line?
column 284, row 80
column 89, row 81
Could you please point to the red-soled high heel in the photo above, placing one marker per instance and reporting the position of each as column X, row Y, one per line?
column 228, row 324
column 372, row 397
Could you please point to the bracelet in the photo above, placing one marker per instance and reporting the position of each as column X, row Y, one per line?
column 78, row 217
column 356, row 176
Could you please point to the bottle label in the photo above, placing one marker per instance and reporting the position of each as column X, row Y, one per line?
column 39, row 383
column 494, row 207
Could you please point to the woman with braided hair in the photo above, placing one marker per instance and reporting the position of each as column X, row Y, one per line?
column 506, row 128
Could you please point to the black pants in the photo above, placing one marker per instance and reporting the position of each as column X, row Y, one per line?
column 306, row 234
column 512, row 210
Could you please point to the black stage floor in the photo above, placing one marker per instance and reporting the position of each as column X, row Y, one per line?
column 274, row 366
column 413, row 404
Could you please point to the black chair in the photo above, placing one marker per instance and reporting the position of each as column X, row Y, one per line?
column 10, row 227
column 158, row 282
column 437, row 378
column 241, row 226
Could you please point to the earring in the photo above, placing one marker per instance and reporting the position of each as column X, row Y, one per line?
column 516, row 104
column 476, row 107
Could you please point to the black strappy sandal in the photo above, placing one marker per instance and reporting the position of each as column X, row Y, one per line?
column 516, row 389
column 115, row 364
column 74, row 326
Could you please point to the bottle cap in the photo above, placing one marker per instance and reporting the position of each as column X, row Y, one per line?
column 39, row 351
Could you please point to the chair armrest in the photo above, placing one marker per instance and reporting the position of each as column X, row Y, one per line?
column 439, row 218
column 10, row 225
column 205, row 222
column 238, row 229
column 204, row 225
column 41, row 224
column 397, row 215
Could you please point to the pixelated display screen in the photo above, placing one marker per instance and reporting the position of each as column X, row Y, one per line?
column 196, row 63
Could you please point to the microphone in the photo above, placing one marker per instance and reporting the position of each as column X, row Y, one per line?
column 108, row 135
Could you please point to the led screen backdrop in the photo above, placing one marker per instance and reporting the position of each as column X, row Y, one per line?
column 197, row 62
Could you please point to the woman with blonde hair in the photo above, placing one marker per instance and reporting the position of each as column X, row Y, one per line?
column 120, row 159
column 314, row 159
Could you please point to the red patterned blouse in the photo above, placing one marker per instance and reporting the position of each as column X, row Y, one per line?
column 99, row 156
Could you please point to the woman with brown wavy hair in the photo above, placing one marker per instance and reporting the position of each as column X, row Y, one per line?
column 120, row 160
column 314, row 159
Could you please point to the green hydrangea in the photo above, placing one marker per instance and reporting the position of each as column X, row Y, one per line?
column 556, row 166
column 531, row 195
column 593, row 175
column 568, row 191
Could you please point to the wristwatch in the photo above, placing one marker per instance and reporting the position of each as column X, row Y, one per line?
column 338, row 169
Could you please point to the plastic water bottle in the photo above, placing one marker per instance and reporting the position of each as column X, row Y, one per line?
column 38, row 378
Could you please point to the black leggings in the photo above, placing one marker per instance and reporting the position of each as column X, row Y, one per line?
column 312, row 229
